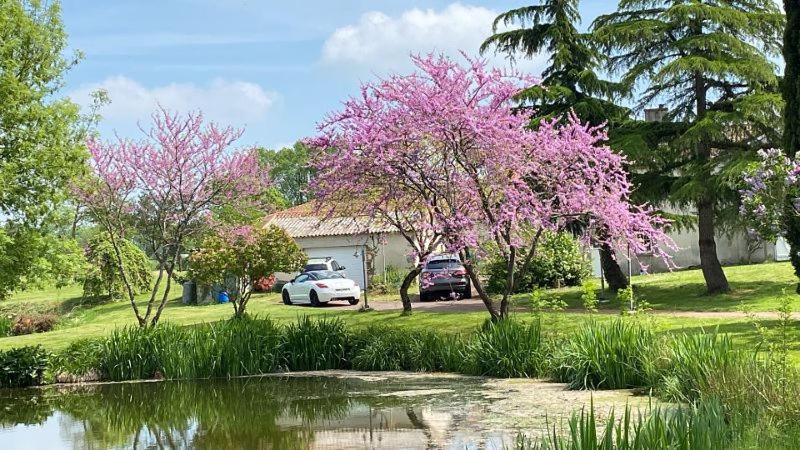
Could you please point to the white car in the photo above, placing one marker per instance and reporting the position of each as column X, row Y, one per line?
column 320, row 286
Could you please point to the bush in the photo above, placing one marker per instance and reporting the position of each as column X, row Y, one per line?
column 388, row 282
column 80, row 361
column 23, row 366
column 33, row 323
column 559, row 261
column 691, row 361
column 508, row 349
column 614, row 355
column 5, row 326
column 104, row 276
column 135, row 353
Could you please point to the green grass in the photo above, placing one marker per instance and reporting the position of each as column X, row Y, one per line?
column 757, row 286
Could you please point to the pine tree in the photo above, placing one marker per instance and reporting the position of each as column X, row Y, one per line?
column 710, row 60
column 791, row 97
column 570, row 82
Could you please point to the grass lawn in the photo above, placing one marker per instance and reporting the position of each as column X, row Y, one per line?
column 757, row 286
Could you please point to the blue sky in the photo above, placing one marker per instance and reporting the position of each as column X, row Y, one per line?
column 274, row 68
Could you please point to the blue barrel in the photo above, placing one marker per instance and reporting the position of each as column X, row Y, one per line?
column 223, row 297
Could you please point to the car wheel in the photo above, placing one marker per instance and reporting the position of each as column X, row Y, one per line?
column 314, row 298
column 467, row 292
column 353, row 301
column 286, row 299
column 424, row 296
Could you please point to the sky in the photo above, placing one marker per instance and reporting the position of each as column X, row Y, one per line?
column 274, row 68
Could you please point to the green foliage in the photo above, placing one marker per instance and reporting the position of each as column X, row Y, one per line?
column 702, row 427
column 80, row 358
column 289, row 172
column 559, row 261
column 589, row 295
column 390, row 281
column 614, row 355
column 23, row 366
column 104, row 277
column 315, row 344
column 690, row 363
column 385, row 348
column 246, row 254
column 135, row 353
column 509, row 349
column 41, row 136
column 5, row 326
column 570, row 82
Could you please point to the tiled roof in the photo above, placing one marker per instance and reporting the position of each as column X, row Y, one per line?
column 305, row 221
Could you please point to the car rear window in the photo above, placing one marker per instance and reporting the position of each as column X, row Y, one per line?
column 327, row 275
column 314, row 267
column 443, row 264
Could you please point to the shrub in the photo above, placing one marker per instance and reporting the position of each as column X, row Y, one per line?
column 80, row 361
column 389, row 281
column 613, row 355
column 315, row 344
column 104, row 276
column 5, row 326
column 33, row 323
column 265, row 284
column 508, row 349
column 559, row 261
column 23, row 366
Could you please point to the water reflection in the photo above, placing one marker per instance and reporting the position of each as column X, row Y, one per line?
column 253, row 413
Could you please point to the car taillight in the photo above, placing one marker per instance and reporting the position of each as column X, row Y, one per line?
column 460, row 273
column 321, row 285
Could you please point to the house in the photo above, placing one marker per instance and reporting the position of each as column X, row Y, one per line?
column 362, row 246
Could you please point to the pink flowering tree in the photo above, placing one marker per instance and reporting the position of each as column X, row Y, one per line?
column 245, row 254
column 446, row 144
column 163, row 188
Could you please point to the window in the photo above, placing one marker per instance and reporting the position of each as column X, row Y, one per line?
column 335, row 265
column 444, row 264
column 327, row 275
column 301, row 278
column 313, row 267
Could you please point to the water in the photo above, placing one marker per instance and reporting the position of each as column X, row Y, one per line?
column 335, row 410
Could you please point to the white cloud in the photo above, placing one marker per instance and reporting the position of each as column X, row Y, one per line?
column 236, row 103
column 381, row 42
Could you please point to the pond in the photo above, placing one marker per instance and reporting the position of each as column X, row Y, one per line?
column 322, row 410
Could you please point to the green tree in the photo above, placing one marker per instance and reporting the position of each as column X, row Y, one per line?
column 791, row 114
column 40, row 133
column 245, row 254
column 290, row 173
column 710, row 60
column 570, row 83
column 105, row 276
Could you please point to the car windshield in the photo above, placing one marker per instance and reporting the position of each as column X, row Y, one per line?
column 314, row 267
column 444, row 264
column 327, row 275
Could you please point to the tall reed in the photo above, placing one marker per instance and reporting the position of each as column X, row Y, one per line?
column 509, row 349
column 614, row 355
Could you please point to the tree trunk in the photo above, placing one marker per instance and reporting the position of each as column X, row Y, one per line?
column 791, row 115
column 404, row 288
column 716, row 282
column 612, row 272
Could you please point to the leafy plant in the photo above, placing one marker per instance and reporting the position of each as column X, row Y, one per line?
column 559, row 261
column 613, row 355
column 23, row 366
column 508, row 349
column 104, row 277
column 312, row 344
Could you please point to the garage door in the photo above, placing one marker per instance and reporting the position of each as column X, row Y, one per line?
column 345, row 257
